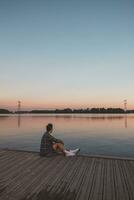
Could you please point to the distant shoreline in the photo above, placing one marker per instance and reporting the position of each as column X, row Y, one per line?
column 71, row 111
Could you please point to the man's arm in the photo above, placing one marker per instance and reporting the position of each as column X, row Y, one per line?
column 53, row 139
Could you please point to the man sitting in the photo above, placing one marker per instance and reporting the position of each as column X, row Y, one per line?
column 52, row 146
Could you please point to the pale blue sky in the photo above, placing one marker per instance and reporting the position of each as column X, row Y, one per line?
column 66, row 53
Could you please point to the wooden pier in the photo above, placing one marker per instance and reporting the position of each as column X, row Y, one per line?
column 27, row 176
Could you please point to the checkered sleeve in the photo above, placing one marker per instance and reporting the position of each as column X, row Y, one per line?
column 53, row 139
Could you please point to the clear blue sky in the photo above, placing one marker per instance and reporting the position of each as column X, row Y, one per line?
column 59, row 53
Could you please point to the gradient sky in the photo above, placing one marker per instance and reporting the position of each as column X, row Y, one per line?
column 66, row 53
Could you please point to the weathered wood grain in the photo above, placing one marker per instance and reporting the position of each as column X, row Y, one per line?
column 27, row 176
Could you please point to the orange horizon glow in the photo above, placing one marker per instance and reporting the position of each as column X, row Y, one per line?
column 30, row 105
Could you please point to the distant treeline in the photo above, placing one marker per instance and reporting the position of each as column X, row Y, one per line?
column 92, row 110
column 69, row 110
column 5, row 111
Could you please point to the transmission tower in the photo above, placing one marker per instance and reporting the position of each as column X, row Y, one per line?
column 125, row 105
column 19, row 106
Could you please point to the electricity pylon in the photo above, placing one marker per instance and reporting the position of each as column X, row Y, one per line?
column 19, row 106
column 125, row 105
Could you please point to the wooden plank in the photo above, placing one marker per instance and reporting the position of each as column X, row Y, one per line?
column 86, row 190
column 72, row 177
column 16, row 165
column 129, row 180
column 65, row 176
column 25, row 171
column 118, row 182
column 51, row 181
column 97, row 193
column 122, row 186
column 108, row 189
column 107, row 157
column 28, row 178
column 9, row 162
column 42, row 179
column 80, row 176
column 84, row 183
column 7, row 156
column 26, row 175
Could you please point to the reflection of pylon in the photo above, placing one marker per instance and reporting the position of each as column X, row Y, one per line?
column 126, row 121
column 19, row 106
column 125, row 105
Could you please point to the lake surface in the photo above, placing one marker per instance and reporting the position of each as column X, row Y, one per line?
column 93, row 133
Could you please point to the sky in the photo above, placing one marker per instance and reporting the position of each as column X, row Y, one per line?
column 59, row 54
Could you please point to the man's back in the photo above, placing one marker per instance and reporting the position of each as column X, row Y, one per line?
column 46, row 146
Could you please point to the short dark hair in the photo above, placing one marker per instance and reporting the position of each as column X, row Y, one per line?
column 49, row 127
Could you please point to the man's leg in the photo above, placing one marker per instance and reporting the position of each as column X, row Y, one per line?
column 58, row 147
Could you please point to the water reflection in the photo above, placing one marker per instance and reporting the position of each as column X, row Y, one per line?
column 19, row 120
column 125, row 121
column 96, row 134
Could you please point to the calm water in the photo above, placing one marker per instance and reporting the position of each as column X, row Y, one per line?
column 94, row 134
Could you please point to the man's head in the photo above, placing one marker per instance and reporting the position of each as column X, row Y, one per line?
column 49, row 128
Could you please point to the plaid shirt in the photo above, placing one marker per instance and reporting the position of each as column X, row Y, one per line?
column 46, row 146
